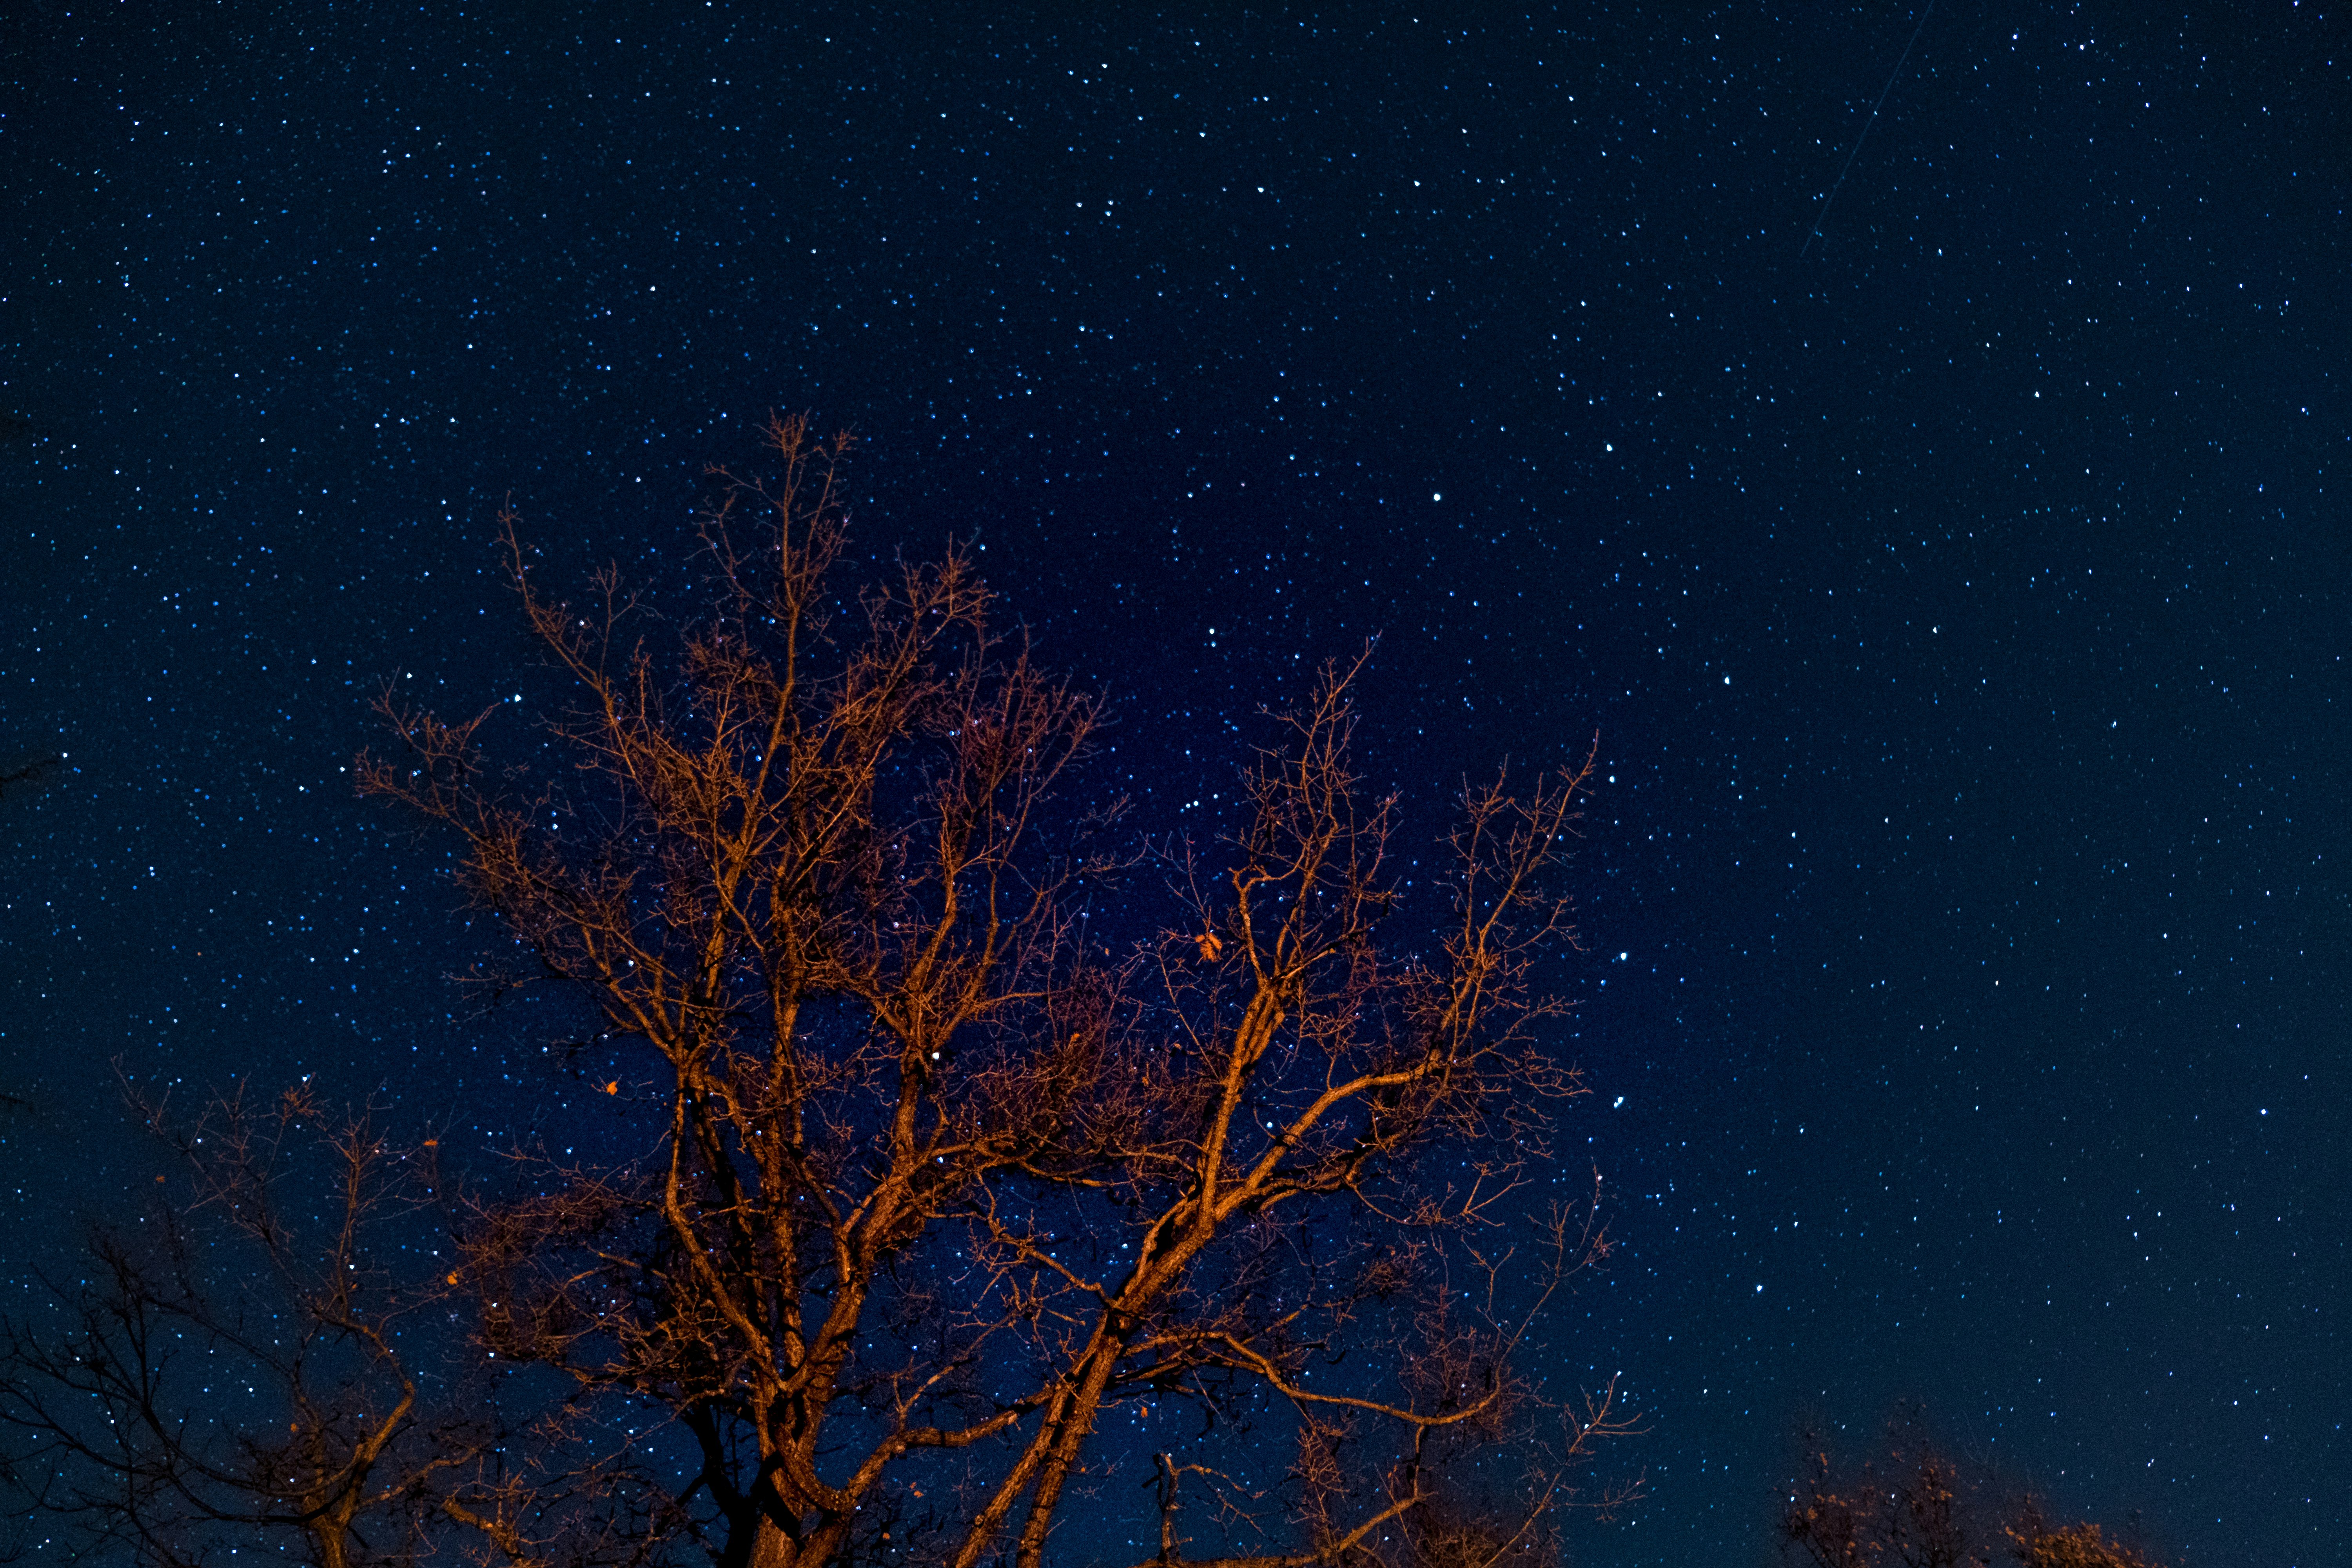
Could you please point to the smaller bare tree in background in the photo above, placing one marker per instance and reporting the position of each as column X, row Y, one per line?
column 1913, row 1505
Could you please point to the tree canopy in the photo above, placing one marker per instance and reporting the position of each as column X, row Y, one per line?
column 985, row 1146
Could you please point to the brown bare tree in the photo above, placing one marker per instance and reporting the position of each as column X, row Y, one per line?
column 969, row 1136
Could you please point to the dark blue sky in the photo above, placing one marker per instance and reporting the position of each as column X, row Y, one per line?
column 1959, row 603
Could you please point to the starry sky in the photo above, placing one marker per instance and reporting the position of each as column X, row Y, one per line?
column 1947, row 571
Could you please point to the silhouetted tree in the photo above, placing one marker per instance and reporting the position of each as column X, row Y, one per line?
column 971, row 1129
column 228, row 1374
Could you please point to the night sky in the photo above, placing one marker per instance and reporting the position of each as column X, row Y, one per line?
column 1957, row 596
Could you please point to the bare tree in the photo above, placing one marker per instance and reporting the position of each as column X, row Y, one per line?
column 1913, row 1505
column 1910, row 1507
column 968, row 1132
column 229, row 1375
